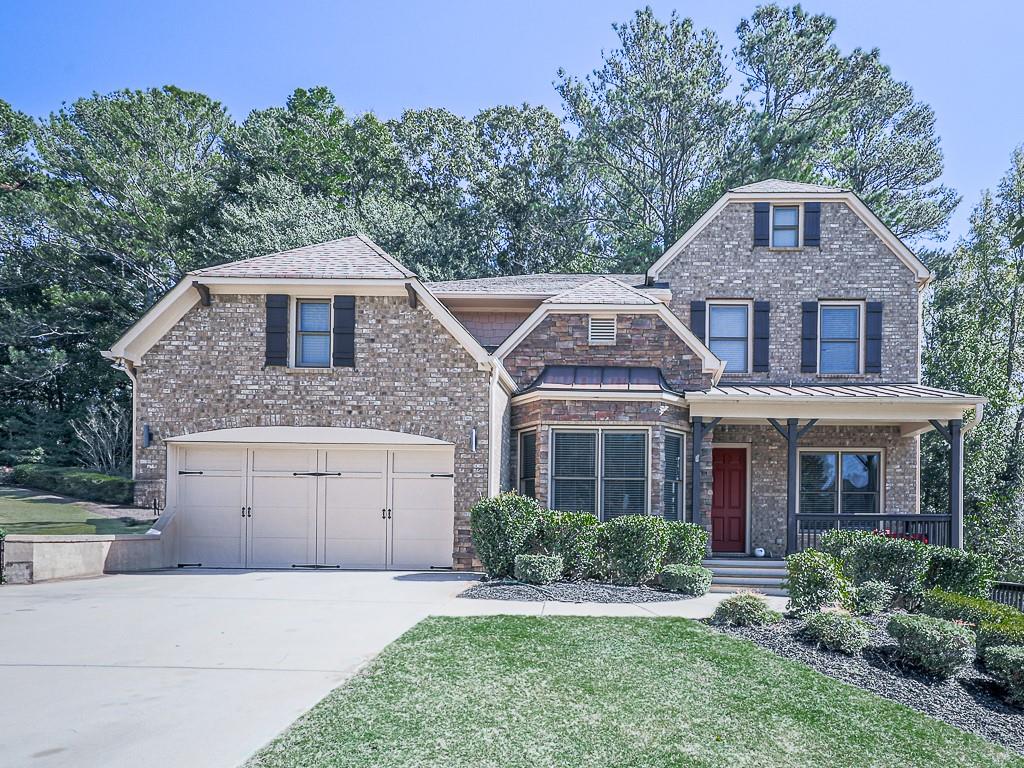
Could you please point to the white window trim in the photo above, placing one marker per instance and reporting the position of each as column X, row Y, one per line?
column 599, row 431
column 682, row 474
column 293, row 320
column 839, row 497
column 749, row 304
column 861, row 332
column 519, row 458
column 590, row 329
column 799, row 226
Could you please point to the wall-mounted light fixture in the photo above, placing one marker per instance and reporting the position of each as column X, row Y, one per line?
column 472, row 439
column 147, row 436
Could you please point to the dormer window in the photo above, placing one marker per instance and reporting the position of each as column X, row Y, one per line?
column 785, row 226
column 602, row 329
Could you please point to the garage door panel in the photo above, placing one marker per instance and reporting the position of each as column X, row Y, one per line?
column 283, row 460
column 359, row 461
column 213, row 458
column 423, row 524
column 282, row 526
column 354, row 527
column 426, row 462
column 211, row 529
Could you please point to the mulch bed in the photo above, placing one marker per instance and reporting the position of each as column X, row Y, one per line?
column 568, row 592
column 971, row 701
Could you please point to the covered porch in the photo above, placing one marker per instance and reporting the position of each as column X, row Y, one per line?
column 796, row 461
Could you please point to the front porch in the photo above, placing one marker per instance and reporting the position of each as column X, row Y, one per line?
column 775, row 467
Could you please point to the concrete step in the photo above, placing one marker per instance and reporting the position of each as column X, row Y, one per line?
column 748, row 581
column 776, row 591
column 774, row 573
column 743, row 562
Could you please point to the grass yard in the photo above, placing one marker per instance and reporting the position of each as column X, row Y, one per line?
column 38, row 512
column 631, row 692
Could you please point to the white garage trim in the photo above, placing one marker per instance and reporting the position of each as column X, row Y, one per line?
column 300, row 436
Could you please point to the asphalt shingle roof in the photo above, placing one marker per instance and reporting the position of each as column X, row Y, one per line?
column 346, row 258
column 782, row 185
column 526, row 285
column 601, row 290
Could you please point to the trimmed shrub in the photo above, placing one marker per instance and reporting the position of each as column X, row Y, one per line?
column 991, row 635
column 900, row 562
column 572, row 536
column 538, row 569
column 636, row 547
column 973, row 610
column 837, row 632
column 687, row 543
column 957, row 570
column 744, row 610
column 936, row 646
column 873, row 597
column 502, row 527
column 1006, row 664
column 840, row 544
column 692, row 580
column 815, row 580
column 78, row 483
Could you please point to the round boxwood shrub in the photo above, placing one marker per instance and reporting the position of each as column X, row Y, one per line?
column 815, row 580
column 840, row 544
column 957, row 570
column 992, row 634
column 1006, row 664
column 692, row 580
column 900, row 562
column 937, row 646
column 635, row 547
column 502, row 527
column 572, row 536
column 687, row 543
column 973, row 610
column 836, row 631
column 538, row 569
column 873, row 597
column 744, row 610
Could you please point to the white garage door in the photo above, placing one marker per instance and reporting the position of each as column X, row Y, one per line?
column 277, row 507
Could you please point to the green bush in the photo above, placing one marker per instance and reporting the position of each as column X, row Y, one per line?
column 815, row 580
column 993, row 634
column 502, row 527
column 78, row 483
column 873, row 597
column 572, row 536
column 635, row 547
column 936, row 646
column 840, row 544
column 957, row 570
column 538, row 569
column 899, row 562
column 692, row 580
column 1006, row 664
column 973, row 610
column 837, row 632
column 687, row 543
column 744, row 610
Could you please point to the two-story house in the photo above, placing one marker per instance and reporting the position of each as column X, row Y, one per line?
column 325, row 407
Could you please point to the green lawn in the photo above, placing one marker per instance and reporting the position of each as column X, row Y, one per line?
column 27, row 511
column 594, row 692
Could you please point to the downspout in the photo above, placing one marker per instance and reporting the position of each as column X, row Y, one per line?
column 121, row 364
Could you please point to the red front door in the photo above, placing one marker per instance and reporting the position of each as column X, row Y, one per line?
column 729, row 500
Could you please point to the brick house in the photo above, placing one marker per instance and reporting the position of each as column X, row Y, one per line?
column 324, row 407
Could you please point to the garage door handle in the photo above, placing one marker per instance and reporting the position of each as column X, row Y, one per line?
column 442, row 474
column 384, row 514
column 389, row 514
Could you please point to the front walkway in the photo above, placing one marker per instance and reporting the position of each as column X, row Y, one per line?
column 201, row 668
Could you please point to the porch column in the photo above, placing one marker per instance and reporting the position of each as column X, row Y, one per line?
column 700, row 430
column 792, row 433
column 953, row 433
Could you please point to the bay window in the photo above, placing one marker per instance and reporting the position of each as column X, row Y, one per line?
column 601, row 471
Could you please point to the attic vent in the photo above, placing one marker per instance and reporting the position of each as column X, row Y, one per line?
column 602, row 330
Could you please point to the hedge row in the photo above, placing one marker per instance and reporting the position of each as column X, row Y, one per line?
column 78, row 483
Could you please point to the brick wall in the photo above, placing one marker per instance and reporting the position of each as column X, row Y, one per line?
column 852, row 263
column 410, row 376
column 641, row 340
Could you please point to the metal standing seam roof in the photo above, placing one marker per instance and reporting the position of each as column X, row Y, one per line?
column 833, row 392
column 540, row 284
column 346, row 258
column 600, row 377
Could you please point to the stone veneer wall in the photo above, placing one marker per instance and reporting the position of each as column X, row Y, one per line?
column 852, row 263
column 768, row 472
column 544, row 415
column 410, row 376
column 641, row 340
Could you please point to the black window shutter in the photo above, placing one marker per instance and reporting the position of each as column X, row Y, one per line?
column 698, row 318
column 344, row 355
column 873, row 338
column 761, row 334
column 277, row 329
column 812, row 224
column 809, row 337
column 761, row 225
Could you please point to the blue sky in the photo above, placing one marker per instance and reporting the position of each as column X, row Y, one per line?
column 966, row 59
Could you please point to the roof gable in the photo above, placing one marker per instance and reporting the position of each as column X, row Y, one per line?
column 784, row 186
column 602, row 290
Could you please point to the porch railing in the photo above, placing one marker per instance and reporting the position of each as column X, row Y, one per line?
column 931, row 529
column 1009, row 593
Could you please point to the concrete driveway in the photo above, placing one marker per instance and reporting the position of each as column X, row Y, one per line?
column 188, row 668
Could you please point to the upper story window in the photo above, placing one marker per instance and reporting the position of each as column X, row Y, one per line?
column 785, row 226
column 840, row 337
column 312, row 334
column 729, row 334
column 601, row 329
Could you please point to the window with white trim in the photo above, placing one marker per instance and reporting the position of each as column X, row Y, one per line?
column 785, row 226
column 840, row 482
column 312, row 333
column 527, row 481
column 603, row 472
column 729, row 334
column 601, row 330
column 840, row 337
column 672, row 493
